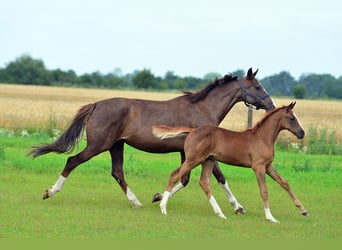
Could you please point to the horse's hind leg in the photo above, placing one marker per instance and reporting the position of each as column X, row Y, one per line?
column 238, row 209
column 70, row 165
column 207, row 169
column 116, row 153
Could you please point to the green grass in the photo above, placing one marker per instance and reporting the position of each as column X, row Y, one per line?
column 92, row 205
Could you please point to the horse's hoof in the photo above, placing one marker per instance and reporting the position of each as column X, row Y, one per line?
column 157, row 197
column 46, row 194
column 240, row 210
column 306, row 213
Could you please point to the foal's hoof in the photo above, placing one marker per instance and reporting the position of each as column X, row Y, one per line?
column 306, row 213
column 157, row 197
column 46, row 194
column 240, row 210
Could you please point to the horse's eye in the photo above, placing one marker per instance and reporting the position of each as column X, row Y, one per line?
column 257, row 87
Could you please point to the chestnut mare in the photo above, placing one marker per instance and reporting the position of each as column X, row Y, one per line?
column 252, row 148
column 111, row 123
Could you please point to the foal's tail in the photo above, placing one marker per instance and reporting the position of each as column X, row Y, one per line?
column 67, row 141
column 164, row 132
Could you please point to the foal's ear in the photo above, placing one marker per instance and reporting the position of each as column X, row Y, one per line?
column 250, row 75
column 291, row 106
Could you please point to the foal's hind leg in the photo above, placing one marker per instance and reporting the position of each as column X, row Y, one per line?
column 116, row 153
column 207, row 169
column 183, row 182
column 284, row 184
column 70, row 165
column 238, row 209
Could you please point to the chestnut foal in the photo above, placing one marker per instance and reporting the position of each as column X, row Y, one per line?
column 251, row 148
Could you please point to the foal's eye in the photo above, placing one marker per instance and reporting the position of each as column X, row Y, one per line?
column 257, row 87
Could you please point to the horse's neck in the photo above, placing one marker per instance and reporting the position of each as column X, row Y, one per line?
column 221, row 100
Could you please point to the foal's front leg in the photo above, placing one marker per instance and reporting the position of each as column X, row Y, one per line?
column 207, row 169
column 284, row 184
column 260, row 174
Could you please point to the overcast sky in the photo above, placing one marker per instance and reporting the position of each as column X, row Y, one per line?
column 189, row 37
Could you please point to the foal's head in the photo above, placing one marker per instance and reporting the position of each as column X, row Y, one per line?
column 290, row 122
column 254, row 93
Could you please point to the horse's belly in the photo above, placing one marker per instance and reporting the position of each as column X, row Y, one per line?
column 157, row 145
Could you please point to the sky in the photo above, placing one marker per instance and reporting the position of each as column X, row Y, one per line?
column 188, row 37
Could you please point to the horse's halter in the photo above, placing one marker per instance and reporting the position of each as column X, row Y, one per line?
column 256, row 98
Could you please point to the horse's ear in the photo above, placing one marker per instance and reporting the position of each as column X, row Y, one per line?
column 291, row 106
column 250, row 75
column 255, row 72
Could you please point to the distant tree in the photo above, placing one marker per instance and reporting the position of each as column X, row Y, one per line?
column 299, row 91
column 239, row 73
column 193, row 82
column 209, row 77
column 59, row 76
column 170, row 78
column 27, row 70
column 112, row 81
column 144, row 79
column 84, row 80
column 315, row 84
column 281, row 83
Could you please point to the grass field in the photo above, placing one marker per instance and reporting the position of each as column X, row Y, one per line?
column 92, row 206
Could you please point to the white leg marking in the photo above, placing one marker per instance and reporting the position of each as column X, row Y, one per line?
column 231, row 198
column 175, row 189
column 58, row 186
column 216, row 208
column 269, row 216
column 132, row 198
column 163, row 202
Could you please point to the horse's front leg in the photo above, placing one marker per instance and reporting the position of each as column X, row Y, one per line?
column 260, row 174
column 284, row 184
column 238, row 209
column 116, row 153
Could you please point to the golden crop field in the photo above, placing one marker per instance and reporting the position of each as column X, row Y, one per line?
column 24, row 106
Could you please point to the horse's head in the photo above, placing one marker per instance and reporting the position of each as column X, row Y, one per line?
column 290, row 121
column 254, row 93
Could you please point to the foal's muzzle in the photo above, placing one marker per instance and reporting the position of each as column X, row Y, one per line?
column 300, row 134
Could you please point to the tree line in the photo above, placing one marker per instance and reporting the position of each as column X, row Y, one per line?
column 28, row 70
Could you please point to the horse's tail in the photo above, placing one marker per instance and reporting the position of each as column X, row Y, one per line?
column 164, row 132
column 67, row 141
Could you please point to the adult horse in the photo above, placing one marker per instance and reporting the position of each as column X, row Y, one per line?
column 251, row 148
column 111, row 123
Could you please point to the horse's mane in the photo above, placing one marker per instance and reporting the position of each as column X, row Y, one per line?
column 201, row 94
column 267, row 115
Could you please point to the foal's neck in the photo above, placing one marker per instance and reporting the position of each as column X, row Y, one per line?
column 269, row 130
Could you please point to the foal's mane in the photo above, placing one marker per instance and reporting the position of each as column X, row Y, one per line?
column 201, row 94
column 267, row 115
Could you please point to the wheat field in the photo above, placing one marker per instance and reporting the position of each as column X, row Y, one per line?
column 25, row 106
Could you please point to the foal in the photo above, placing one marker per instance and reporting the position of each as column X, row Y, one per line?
column 252, row 148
